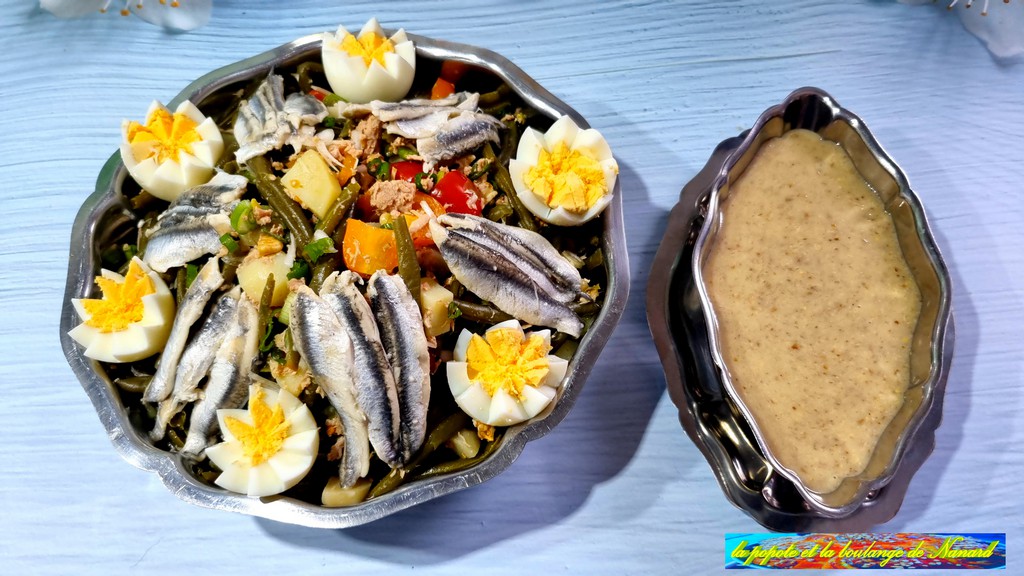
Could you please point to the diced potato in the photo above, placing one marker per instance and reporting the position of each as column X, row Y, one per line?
column 465, row 443
column 434, row 302
column 311, row 182
column 334, row 496
column 253, row 274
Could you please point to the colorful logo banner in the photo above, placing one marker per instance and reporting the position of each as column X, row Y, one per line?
column 900, row 550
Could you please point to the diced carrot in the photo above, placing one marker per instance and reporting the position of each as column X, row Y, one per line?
column 368, row 248
column 442, row 89
column 347, row 170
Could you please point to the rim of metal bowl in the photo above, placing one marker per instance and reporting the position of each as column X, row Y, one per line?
column 173, row 471
column 939, row 356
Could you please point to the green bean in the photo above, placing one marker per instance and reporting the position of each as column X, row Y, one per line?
column 180, row 285
column 568, row 349
column 503, row 181
column 460, row 464
column 455, row 287
column 481, row 312
column 273, row 192
column 338, row 211
column 585, row 308
column 388, row 483
column 133, row 384
column 437, row 437
column 328, row 263
column 304, row 70
column 176, row 440
column 595, row 260
column 227, row 159
column 499, row 212
column 408, row 266
column 511, row 142
column 558, row 339
column 266, row 299
column 496, row 96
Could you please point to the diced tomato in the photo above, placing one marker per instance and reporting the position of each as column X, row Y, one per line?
column 406, row 170
column 452, row 71
column 442, row 89
column 457, row 193
column 421, row 236
column 365, row 210
column 435, row 206
column 318, row 94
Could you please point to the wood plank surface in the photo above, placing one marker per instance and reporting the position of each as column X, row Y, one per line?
column 617, row 488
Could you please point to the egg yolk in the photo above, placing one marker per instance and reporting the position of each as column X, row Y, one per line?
column 121, row 304
column 164, row 136
column 369, row 47
column 567, row 178
column 504, row 360
column 264, row 438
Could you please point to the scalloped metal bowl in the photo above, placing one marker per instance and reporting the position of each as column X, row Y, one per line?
column 683, row 324
column 104, row 217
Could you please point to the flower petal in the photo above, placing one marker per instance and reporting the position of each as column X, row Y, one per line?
column 188, row 15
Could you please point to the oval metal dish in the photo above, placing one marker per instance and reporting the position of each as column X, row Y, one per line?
column 104, row 217
column 708, row 412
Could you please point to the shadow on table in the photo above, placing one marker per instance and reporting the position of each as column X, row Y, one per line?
column 555, row 475
column 956, row 404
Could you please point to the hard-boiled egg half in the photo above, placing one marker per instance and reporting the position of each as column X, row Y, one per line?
column 565, row 176
column 505, row 376
column 171, row 153
column 370, row 66
column 131, row 321
column 268, row 447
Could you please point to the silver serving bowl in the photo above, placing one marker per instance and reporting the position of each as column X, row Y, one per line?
column 684, row 328
column 105, row 217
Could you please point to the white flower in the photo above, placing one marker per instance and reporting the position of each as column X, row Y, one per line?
column 1000, row 26
column 181, row 15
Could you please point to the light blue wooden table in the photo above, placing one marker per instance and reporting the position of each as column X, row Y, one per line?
column 617, row 488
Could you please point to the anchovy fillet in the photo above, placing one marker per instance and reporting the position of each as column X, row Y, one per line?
column 376, row 392
column 531, row 252
column 266, row 120
column 192, row 225
column 228, row 384
column 458, row 136
column 493, row 276
column 191, row 308
column 326, row 347
column 420, row 127
column 401, row 331
column 196, row 360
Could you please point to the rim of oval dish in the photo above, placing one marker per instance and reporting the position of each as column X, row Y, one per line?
column 939, row 350
column 173, row 470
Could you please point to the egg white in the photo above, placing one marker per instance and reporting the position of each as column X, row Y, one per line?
column 168, row 179
column 140, row 339
column 502, row 409
column 588, row 142
column 354, row 81
column 282, row 470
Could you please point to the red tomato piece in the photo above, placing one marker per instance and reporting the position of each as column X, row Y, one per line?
column 406, row 170
column 457, row 193
column 452, row 71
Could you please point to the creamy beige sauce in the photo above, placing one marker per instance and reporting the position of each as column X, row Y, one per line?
column 816, row 307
